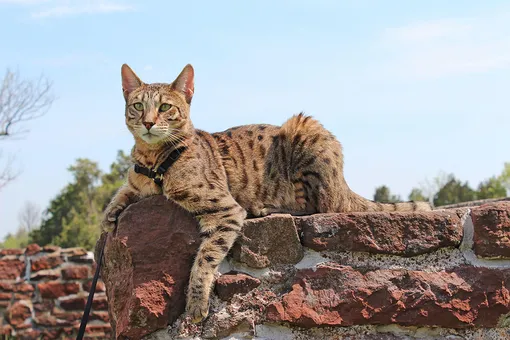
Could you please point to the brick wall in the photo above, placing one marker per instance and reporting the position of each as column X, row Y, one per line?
column 434, row 275
column 43, row 292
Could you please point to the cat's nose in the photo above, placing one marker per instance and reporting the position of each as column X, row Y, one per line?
column 148, row 125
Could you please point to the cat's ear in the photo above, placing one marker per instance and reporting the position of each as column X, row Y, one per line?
column 185, row 83
column 130, row 80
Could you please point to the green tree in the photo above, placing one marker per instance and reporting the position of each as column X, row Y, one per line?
column 20, row 239
column 383, row 195
column 73, row 216
column 504, row 177
column 417, row 195
column 491, row 188
column 78, row 197
column 454, row 191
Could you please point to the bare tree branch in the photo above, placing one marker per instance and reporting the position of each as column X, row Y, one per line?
column 21, row 101
column 7, row 174
column 29, row 216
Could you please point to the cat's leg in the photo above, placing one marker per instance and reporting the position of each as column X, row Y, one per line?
column 135, row 188
column 220, row 222
column 125, row 196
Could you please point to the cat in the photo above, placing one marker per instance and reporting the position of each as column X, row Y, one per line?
column 221, row 178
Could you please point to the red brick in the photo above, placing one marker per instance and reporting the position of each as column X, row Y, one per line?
column 491, row 224
column 267, row 241
column 45, row 274
column 77, row 251
column 73, row 303
column 99, row 287
column 46, row 262
column 229, row 284
column 65, row 315
column 54, row 289
column 78, row 303
column 23, row 287
column 5, row 330
column 29, row 334
column 44, row 305
column 11, row 251
column 6, row 286
column 75, row 272
column 52, row 333
column 403, row 233
column 103, row 316
column 335, row 295
column 17, row 313
column 51, row 249
column 5, row 296
column 11, row 269
column 100, row 303
column 32, row 249
column 48, row 320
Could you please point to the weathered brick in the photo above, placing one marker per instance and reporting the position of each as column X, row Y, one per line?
column 45, row 274
column 269, row 241
column 102, row 316
column 6, row 286
column 5, row 296
column 17, row 313
column 404, row 233
column 29, row 334
column 66, row 315
column 53, row 289
column 342, row 296
column 73, row 302
column 75, row 272
column 10, row 269
column 11, row 251
column 44, row 305
column 51, row 249
column 99, row 286
column 100, row 303
column 32, row 249
column 229, row 284
column 46, row 262
column 491, row 224
column 48, row 320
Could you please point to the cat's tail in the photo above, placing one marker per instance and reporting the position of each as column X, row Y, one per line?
column 359, row 203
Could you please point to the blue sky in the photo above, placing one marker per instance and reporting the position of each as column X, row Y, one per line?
column 409, row 88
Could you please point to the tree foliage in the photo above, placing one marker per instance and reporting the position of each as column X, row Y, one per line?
column 445, row 189
column 383, row 195
column 73, row 216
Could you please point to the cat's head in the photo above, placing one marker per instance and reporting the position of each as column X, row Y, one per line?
column 158, row 113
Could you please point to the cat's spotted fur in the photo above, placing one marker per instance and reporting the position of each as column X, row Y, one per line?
column 255, row 169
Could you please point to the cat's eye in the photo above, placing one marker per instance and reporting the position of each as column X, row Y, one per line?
column 138, row 106
column 164, row 107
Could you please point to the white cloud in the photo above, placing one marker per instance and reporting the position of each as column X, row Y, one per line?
column 60, row 8
column 447, row 47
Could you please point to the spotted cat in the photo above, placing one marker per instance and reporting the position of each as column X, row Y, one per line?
column 222, row 177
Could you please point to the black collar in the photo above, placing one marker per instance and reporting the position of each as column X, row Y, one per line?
column 157, row 175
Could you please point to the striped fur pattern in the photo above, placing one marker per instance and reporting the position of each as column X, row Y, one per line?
column 222, row 178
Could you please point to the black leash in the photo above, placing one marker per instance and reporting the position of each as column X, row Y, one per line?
column 157, row 177
column 85, row 317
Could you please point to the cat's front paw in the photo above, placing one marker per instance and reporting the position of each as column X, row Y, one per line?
column 197, row 309
column 110, row 218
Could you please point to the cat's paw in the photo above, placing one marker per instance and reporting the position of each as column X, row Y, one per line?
column 197, row 309
column 110, row 218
